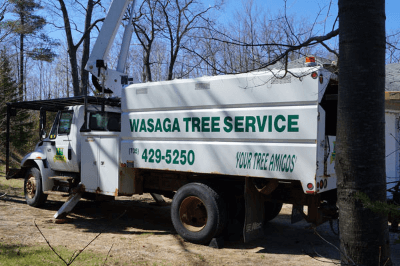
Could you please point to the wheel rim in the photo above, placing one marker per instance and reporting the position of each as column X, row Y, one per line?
column 31, row 187
column 193, row 214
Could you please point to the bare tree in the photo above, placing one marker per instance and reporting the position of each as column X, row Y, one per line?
column 393, row 47
column 79, row 82
column 182, row 18
column 147, row 25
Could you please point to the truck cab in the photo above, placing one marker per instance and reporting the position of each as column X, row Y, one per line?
column 57, row 156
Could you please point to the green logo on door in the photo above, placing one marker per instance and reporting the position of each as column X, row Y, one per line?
column 60, row 155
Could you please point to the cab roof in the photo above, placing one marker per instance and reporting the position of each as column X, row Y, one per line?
column 55, row 105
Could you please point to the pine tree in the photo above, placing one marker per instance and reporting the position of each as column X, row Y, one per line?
column 28, row 24
column 21, row 127
column 8, row 89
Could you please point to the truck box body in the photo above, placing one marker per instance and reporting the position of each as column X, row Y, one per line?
column 257, row 124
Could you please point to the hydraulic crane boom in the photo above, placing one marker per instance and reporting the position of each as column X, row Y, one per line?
column 109, row 80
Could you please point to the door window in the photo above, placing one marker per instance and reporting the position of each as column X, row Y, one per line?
column 105, row 121
column 62, row 124
column 65, row 122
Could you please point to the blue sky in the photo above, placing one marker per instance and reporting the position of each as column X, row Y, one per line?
column 309, row 8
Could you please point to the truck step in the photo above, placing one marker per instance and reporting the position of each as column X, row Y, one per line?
column 71, row 202
column 59, row 193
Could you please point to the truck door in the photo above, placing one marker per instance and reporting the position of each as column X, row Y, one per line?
column 100, row 153
column 60, row 153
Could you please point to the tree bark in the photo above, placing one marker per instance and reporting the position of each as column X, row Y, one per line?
column 79, row 86
column 21, row 67
column 360, row 164
column 72, row 49
column 21, row 60
column 86, row 49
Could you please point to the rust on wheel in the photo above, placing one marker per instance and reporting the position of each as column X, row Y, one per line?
column 31, row 187
column 193, row 214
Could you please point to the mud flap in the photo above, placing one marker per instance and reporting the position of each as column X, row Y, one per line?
column 297, row 213
column 71, row 202
column 254, row 210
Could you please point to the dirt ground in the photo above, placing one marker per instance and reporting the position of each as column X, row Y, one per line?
column 141, row 233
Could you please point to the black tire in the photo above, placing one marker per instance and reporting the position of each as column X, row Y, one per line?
column 271, row 210
column 198, row 213
column 33, row 190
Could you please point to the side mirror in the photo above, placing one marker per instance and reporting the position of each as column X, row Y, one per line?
column 43, row 134
column 42, row 124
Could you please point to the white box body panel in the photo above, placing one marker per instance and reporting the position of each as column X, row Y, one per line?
column 392, row 147
column 258, row 88
column 241, row 125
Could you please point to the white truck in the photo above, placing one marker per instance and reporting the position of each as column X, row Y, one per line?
column 223, row 148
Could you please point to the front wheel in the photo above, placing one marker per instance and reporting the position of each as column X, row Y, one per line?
column 198, row 213
column 33, row 188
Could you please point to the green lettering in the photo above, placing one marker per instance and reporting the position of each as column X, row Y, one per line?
column 134, row 124
column 265, row 161
column 250, row 123
column 143, row 126
column 228, row 124
column 262, row 161
column 261, row 125
column 150, row 125
column 293, row 161
column 205, row 124
column 277, row 162
column 239, row 124
column 271, row 163
column 175, row 126
column 158, row 126
column 276, row 123
column 187, row 120
column 167, row 125
column 270, row 123
column 292, row 123
column 255, row 160
column 195, row 124
column 215, row 124
column 283, row 163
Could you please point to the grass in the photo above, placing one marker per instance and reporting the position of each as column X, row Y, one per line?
column 201, row 257
column 9, row 184
column 42, row 255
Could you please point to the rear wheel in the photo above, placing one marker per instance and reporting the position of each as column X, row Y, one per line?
column 198, row 213
column 272, row 209
column 33, row 188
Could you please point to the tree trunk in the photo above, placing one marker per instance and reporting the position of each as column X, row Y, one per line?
column 147, row 64
column 86, row 50
column 21, row 59
column 360, row 163
column 71, row 49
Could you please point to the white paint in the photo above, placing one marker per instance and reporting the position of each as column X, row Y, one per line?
column 392, row 146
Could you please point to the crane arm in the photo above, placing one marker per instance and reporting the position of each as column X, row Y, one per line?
column 111, row 81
